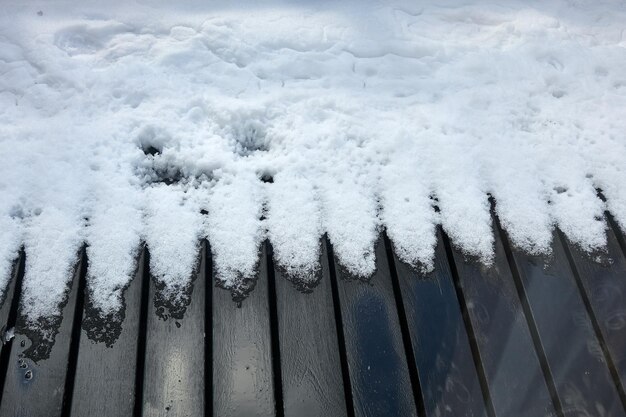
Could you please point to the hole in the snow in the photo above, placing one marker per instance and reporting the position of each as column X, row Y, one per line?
column 560, row 189
column 558, row 93
column 204, row 212
column 151, row 150
column 159, row 170
column 152, row 139
column 435, row 203
column 248, row 138
column 267, row 178
column 168, row 175
column 16, row 212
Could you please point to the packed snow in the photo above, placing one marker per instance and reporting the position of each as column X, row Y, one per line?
column 157, row 122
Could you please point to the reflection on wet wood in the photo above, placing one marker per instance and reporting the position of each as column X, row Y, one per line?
column 526, row 336
column 105, row 371
column 517, row 386
column 581, row 377
column 309, row 351
column 242, row 360
column 603, row 281
column 174, row 380
column 447, row 374
column 36, row 387
column 378, row 368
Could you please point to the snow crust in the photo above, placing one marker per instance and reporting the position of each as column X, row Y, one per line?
column 148, row 121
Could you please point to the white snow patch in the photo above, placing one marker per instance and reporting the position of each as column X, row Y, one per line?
column 294, row 224
column 125, row 121
column 234, row 227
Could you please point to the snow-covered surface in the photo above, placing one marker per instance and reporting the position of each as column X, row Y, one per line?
column 153, row 121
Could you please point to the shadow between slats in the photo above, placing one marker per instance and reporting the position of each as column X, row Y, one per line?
column 104, row 382
column 8, row 314
column 174, row 370
column 242, row 352
column 600, row 280
column 564, row 331
column 38, row 388
column 312, row 382
column 502, row 343
column 439, row 344
column 379, row 374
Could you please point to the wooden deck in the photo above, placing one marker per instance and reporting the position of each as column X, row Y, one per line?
column 526, row 337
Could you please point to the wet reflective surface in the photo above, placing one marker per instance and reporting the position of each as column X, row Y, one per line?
column 527, row 336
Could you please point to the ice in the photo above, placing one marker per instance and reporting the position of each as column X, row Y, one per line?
column 146, row 122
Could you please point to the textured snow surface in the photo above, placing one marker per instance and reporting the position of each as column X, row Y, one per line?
column 148, row 121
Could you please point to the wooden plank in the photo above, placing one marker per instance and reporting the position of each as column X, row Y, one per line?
column 36, row 387
column 448, row 379
column 174, row 371
column 13, row 289
column 581, row 377
column 309, row 351
column 517, row 386
column 104, row 384
column 377, row 362
column 603, row 280
column 242, row 352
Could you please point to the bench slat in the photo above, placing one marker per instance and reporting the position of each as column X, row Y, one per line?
column 377, row 362
column 442, row 353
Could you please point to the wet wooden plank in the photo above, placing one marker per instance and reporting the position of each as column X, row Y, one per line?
column 7, row 301
column 107, row 357
column 581, row 377
column 174, row 369
column 242, row 352
column 517, row 386
column 309, row 351
column 603, row 278
column 37, row 388
column 377, row 362
column 448, row 378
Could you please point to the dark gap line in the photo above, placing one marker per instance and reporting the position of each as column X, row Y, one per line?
column 478, row 363
column 530, row 320
column 275, row 341
column 619, row 235
column 594, row 320
column 404, row 328
column 141, row 340
column 207, row 276
column 343, row 356
column 617, row 231
column 12, row 318
column 68, row 393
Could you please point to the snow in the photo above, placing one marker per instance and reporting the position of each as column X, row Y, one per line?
column 8, row 335
column 146, row 121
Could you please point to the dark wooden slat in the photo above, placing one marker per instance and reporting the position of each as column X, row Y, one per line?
column 105, row 371
column 447, row 374
column 309, row 352
column 377, row 361
column 242, row 352
column 603, row 278
column 37, row 388
column 174, row 371
column 517, row 386
column 581, row 377
column 7, row 302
